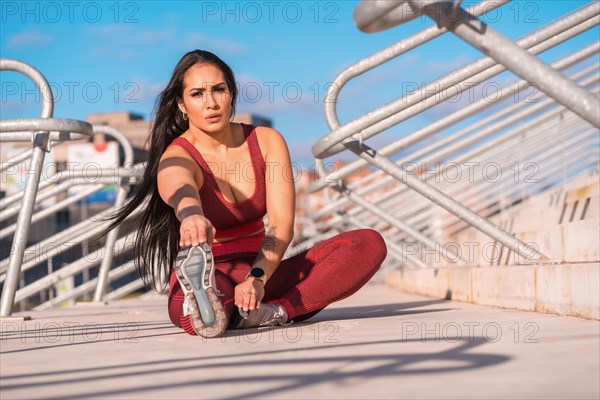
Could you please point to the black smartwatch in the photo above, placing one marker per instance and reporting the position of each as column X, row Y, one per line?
column 257, row 273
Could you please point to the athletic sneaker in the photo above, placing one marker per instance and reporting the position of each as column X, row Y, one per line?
column 196, row 274
column 266, row 315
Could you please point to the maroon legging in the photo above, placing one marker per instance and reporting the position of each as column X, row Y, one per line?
column 304, row 284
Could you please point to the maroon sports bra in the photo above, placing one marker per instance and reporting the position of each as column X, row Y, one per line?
column 232, row 219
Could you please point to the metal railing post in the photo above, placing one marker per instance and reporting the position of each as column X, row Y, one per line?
column 40, row 131
column 109, row 252
column 112, row 236
column 40, row 146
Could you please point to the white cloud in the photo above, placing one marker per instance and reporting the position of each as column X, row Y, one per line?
column 120, row 54
column 151, row 37
column 127, row 34
column 217, row 45
column 441, row 68
column 122, row 42
column 17, row 108
column 28, row 39
column 268, row 99
column 105, row 31
column 147, row 90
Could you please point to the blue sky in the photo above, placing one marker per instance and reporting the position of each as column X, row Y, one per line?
column 112, row 56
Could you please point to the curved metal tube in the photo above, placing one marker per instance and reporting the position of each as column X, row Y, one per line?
column 390, row 52
column 9, row 64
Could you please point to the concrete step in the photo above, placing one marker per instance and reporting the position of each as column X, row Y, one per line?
column 562, row 225
column 565, row 289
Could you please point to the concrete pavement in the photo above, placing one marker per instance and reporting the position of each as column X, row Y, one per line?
column 379, row 343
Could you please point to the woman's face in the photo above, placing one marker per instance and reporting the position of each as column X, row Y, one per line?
column 206, row 98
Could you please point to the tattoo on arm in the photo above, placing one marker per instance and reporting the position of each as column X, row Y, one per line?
column 268, row 244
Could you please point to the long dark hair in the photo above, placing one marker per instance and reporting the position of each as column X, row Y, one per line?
column 157, row 242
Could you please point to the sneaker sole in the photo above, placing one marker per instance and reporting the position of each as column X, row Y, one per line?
column 196, row 273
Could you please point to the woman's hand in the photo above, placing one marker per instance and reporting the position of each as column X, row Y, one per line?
column 249, row 293
column 195, row 229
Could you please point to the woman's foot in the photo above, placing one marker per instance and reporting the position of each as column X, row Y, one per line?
column 196, row 274
column 266, row 315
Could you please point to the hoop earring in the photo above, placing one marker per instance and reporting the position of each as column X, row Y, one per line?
column 185, row 116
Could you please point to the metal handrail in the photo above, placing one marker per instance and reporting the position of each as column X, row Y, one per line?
column 43, row 213
column 73, row 235
column 477, row 71
column 15, row 160
column 85, row 230
column 351, row 136
column 385, row 201
column 454, row 118
column 389, row 217
column 479, row 195
column 41, row 133
column 86, row 287
column 61, row 180
column 586, row 158
column 376, row 15
column 428, row 131
column 9, row 64
column 393, row 248
column 411, row 210
column 575, row 150
column 123, row 190
column 493, row 145
column 57, row 129
column 388, row 54
column 94, row 258
column 503, row 50
column 389, row 198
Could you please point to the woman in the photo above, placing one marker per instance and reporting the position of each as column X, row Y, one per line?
column 209, row 183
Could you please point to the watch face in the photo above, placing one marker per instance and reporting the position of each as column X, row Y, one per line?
column 257, row 272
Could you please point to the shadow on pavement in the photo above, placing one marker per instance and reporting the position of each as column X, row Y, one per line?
column 377, row 311
column 288, row 373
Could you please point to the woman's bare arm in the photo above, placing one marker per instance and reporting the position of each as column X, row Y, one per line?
column 177, row 179
column 281, row 203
